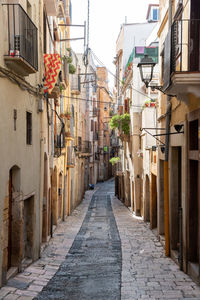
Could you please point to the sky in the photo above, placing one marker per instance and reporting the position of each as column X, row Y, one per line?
column 106, row 17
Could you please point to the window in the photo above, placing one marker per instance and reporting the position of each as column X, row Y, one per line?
column 92, row 125
column 155, row 14
column 28, row 128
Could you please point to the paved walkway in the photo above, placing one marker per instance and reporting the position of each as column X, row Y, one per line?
column 146, row 272
column 27, row 285
column 99, row 251
column 92, row 269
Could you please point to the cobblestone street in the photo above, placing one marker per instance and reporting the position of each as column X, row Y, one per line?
column 102, row 252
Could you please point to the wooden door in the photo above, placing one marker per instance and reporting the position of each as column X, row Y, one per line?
column 194, row 186
column 10, row 221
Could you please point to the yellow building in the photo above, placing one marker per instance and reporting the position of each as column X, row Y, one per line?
column 21, row 66
column 178, row 171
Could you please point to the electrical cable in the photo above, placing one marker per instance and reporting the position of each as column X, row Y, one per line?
column 129, row 85
column 21, row 82
column 86, row 100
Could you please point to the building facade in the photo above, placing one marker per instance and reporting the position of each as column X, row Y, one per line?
column 179, row 114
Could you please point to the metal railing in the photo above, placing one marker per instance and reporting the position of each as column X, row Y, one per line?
column 114, row 141
column 95, row 136
column 70, row 156
column 185, row 50
column 22, row 35
column 65, row 69
column 75, row 83
column 94, row 111
column 86, row 147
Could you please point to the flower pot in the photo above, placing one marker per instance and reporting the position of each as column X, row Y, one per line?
column 152, row 104
column 67, row 134
column 68, row 116
column 56, row 102
column 62, row 116
column 147, row 104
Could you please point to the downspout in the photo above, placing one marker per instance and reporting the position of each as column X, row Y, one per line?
column 166, row 178
column 166, row 164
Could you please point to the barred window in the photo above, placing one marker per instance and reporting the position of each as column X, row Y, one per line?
column 28, row 128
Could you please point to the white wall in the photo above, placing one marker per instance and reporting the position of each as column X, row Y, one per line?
column 135, row 35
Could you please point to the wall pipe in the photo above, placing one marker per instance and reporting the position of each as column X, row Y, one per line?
column 166, row 164
column 166, row 179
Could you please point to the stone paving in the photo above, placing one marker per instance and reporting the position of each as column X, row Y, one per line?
column 146, row 272
column 92, row 269
column 27, row 285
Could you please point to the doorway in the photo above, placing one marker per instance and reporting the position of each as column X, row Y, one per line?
column 60, row 196
column 45, row 201
column 12, row 233
column 147, row 199
column 28, row 227
column 176, row 205
column 153, row 205
column 193, row 193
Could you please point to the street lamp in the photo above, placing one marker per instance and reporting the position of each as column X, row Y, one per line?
column 146, row 66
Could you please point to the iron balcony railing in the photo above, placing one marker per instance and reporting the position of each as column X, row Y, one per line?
column 114, row 142
column 95, row 136
column 86, row 147
column 185, row 50
column 22, row 35
column 75, row 83
column 70, row 157
column 95, row 112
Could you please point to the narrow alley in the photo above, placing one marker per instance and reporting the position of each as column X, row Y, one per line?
column 105, row 253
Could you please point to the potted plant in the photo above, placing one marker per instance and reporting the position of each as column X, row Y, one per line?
column 122, row 123
column 68, row 115
column 72, row 69
column 68, row 59
column 62, row 115
column 114, row 160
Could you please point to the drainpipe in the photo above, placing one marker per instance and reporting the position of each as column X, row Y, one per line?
column 166, row 164
column 166, row 178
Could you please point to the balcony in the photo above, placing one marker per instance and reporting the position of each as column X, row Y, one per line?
column 55, row 93
column 61, row 9
column 95, row 136
column 86, row 147
column 106, row 127
column 51, row 7
column 70, row 157
column 59, row 143
column 182, row 64
column 75, row 84
column 114, row 142
column 22, row 55
column 95, row 112
column 65, row 72
column 59, row 87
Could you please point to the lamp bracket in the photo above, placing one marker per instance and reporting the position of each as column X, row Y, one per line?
column 168, row 133
column 160, row 88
